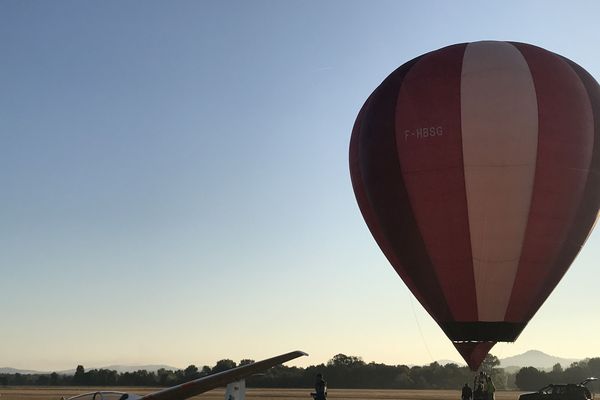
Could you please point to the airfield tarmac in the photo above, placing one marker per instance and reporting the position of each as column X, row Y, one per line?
column 55, row 393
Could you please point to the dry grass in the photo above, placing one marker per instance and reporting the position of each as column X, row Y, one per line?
column 55, row 393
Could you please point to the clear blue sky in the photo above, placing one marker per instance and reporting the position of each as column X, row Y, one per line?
column 174, row 180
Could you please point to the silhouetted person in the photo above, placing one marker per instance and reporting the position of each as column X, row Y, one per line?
column 467, row 393
column 320, row 388
column 478, row 393
column 490, row 388
column 480, row 387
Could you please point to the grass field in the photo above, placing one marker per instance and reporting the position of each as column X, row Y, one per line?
column 55, row 393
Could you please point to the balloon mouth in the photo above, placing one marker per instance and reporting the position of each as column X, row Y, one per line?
column 465, row 332
column 474, row 352
column 474, row 340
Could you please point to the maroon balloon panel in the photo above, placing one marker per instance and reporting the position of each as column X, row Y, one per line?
column 476, row 168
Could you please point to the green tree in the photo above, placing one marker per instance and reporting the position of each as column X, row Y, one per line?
column 556, row 374
column 223, row 365
column 530, row 378
column 166, row 377
column 342, row 360
column 577, row 372
column 594, row 366
column 489, row 363
column 191, row 372
column 557, row 369
column 42, row 380
column 79, row 377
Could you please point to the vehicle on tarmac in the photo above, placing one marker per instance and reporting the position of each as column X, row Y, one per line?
column 569, row 391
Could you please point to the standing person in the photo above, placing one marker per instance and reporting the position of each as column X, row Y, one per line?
column 480, row 387
column 490, row 388
column 320, row 388
column 467, row 393
column 478, row 393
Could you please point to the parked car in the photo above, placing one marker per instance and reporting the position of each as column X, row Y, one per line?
column 569, row 391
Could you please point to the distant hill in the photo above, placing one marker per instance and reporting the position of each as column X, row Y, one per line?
column 531, row 358
column 8, row 370
column 133, row 368
column 118, row 368
column 534, row 358
column 444, row 362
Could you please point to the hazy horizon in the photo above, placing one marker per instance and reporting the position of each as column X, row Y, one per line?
column 399, row 362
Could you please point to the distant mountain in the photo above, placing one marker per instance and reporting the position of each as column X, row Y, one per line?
column 531, row 358
column 133, row 368
column 124, row 368
column 118, row 368
column 534, row 358
column 8, row 370
column 444, row 362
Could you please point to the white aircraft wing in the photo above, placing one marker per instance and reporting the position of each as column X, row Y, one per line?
column 206, row 383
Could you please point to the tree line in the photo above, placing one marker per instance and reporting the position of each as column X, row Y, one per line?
column 341, row 371
column 530, row 378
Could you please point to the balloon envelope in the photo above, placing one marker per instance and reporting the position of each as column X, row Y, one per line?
column 476, row 168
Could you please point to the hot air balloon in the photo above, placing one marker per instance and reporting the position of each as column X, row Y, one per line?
column 477, row 170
